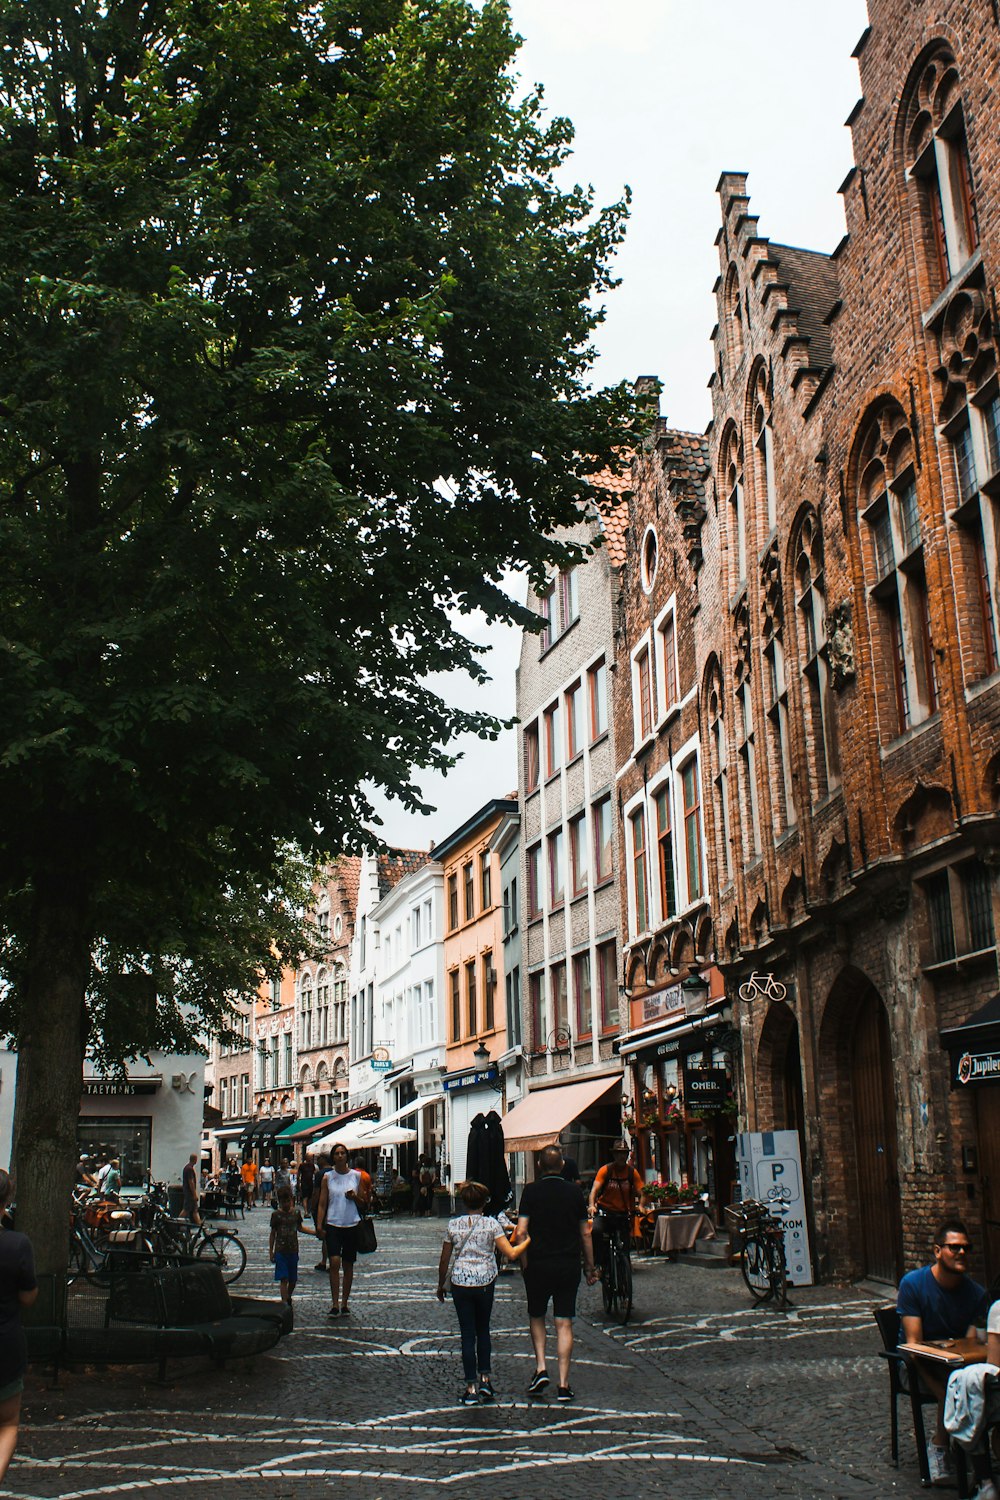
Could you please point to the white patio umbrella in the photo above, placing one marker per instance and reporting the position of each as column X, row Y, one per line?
column 389, row 1135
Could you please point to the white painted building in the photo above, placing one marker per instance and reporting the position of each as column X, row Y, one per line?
column 409, row 1005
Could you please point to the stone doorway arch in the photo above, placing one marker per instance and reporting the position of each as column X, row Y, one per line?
column 857, row 1099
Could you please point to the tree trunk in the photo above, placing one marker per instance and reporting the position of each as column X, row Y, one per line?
column 50, row 1046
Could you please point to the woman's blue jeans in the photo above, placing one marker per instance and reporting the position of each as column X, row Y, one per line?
column 474, row 1305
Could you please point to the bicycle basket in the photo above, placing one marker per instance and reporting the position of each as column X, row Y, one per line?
column 745, row 1218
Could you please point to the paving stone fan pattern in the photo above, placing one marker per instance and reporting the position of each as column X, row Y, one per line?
column 699, row 1394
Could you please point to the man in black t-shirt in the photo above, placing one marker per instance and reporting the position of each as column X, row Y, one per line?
column 554, row 1212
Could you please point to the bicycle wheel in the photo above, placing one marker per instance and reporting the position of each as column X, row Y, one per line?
column 226, row 1250
column 609, row 1283
column 623, row 1279
column 756, row 1268
column 748, row 992
column 778, row 1272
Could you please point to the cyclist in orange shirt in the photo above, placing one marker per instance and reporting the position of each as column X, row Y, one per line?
column 614, row 1196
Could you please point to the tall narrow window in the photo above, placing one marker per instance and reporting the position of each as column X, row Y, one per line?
column 546, row 608
column 452, row 902
column 560, row 1008
column 896, row 565
column 692, row 828
column 553, row 739
column 978, row 901
column 569, row 590
column 597, row 684
column 581, row 995
column 472, row 1011
column 489, row 992
column 763, row 442
column 556, row 876
column 732, row 483
column 455, row 1001
column 642, row 686
column 748, row 766
column 531, row 757
column 942, row 930
column 578, row 851
column 939, row 168
column 469, row 887
column 607, row 980
column 665, row 853
column 640, row 890
column 777, row 717
column 720, row 773
column 574, row 727
column 603, row 867
column 668, row 656
column 485, row 881
column 733, row 312
column 536, row 1001
column 810, row 612
column 533, row 860
column 974, row 447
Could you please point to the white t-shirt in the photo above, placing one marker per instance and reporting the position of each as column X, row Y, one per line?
column 993, row 1321
column 341, row 1210
column 473, row 1256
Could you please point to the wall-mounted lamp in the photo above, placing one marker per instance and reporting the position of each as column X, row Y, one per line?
column 481, row 1057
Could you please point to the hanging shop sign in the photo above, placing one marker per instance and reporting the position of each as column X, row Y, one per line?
column 706, row 1088
column 381, row 1059
column 661, row 1003
column 972, row 1068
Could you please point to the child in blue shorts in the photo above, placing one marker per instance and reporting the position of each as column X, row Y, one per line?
column 286, row 1221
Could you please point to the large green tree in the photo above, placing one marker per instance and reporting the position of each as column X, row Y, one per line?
column 296, row 313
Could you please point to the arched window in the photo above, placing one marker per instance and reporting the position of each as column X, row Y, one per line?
column 745, row 733
column 894, row 569
column 306, row 1013
column 731, row 478
column 810, row 615
column 763, row 450
column 733, row 314
column 775, row 686
column 719, row 769
column 938, row 169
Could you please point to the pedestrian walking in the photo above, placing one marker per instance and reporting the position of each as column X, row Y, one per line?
column 283, row 1247
column 341, row 1199
column 266, row 1180
column 248, row 1172
column 555, row 1213
column 18, row 1288
column 304, row 1182
column 189, row 1185
column 469, row 1250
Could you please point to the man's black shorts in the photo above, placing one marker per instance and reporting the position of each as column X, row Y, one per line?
column 343, row 1243
column 555, row 1280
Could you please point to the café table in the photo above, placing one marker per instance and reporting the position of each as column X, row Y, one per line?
column 681, row 1231
column 953, row 1352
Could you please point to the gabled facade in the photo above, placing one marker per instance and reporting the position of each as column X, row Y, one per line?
column 321, row 996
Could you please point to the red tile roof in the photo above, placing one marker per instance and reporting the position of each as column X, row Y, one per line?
column 396, row 864
column 612, row 500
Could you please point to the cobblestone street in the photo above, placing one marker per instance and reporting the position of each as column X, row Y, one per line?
column 698, row 1395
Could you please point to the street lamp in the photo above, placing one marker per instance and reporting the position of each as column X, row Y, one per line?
column 481, row 1057
column 696, row 991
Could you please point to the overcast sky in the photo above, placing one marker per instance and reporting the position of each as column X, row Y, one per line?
column 665, row 95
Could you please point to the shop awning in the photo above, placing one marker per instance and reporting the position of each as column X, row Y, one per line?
column 304, row 1130
column 669, row 1037
column 414, row 1107
column 537, row 1121
column 266, row 1130
column 228, row 1133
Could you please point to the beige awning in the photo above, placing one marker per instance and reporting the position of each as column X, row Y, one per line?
column 537, row 1120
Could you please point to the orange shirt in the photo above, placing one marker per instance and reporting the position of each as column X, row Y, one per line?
column 248, row 1172
column 618, row 1192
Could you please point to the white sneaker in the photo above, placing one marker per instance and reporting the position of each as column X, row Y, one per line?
column 987, row 1491
column 938, row 1464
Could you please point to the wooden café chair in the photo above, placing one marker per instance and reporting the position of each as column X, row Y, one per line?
column 903, row 1381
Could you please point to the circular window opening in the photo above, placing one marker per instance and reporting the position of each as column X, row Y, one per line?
column 649, row 559
column 338, row 925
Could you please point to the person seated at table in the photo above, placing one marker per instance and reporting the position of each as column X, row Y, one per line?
column 940, row 1301
column 614, row 1199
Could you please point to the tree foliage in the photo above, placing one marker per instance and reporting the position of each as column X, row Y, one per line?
column 295, row 342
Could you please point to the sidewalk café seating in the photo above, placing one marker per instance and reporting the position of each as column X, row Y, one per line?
column 149, row 1314
column 233, row 1201
column 904, row 1380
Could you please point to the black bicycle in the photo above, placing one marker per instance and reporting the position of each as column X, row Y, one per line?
column 761, row 1236
column 616, row 1268
column 180, row 1239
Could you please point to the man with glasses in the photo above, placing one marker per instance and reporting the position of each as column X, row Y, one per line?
column 941, row 1301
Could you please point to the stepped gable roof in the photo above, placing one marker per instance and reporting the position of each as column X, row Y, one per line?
column 346, row 869
column 812, row 290
column 685, row 456
column 395, row 864
column 613, row 514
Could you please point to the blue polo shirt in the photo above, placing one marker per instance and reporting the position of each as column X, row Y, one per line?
column 943, row 1314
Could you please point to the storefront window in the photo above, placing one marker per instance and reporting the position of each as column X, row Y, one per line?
column 129, row 1138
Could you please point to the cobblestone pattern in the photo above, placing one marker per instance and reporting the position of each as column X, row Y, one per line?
column 698, row 1395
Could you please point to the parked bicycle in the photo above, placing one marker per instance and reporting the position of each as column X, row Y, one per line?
column 761, row 1237
column 100, row 1244
column 615, row 1267
column 181, row 1239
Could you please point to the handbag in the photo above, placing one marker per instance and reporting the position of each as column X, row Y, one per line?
column 365, row 1239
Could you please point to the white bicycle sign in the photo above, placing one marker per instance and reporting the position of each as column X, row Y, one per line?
column 762, row 987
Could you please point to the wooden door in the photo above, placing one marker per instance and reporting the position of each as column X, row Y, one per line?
column 988, row 1145
column 878, row 1221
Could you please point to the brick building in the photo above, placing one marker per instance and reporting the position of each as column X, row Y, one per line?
column 568, row 896
column 853, row 682
column 677, row 1041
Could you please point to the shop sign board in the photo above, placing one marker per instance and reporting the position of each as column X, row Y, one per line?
column 770, row 1169
column 971, row 1068
column 662, row 1003
column 108, row 1087
column 470, row 1080
column 381, row 1059
column 707, row 1087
